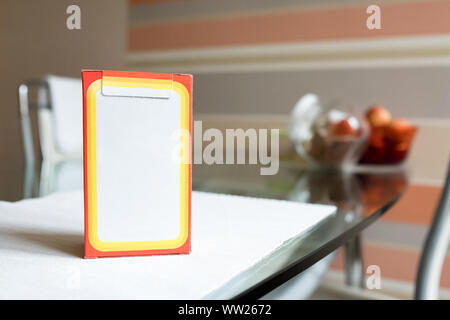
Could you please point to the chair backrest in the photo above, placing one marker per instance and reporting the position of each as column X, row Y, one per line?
column 60, row 123
column 65, row 95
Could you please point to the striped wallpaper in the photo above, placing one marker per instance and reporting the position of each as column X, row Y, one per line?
column 163, row 28
column 170, row 24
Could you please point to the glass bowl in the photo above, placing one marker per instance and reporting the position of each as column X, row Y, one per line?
column 328, row 135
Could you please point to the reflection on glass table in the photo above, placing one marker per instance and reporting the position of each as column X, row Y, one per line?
column 361, row 198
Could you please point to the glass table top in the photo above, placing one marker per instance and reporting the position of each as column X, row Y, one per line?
column 360, row 197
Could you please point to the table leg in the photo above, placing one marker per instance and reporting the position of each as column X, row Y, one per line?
column 354, row 266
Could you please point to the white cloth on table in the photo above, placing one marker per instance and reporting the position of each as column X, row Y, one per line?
column 42, row 245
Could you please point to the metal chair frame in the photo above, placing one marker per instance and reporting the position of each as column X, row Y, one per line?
column 435, row 248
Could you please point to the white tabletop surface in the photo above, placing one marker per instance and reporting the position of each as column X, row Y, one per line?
column 42, row 245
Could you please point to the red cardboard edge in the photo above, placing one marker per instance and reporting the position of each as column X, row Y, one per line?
column 88, row 77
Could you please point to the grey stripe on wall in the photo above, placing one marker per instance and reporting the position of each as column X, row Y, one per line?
column 418, row 92
column 193, row 9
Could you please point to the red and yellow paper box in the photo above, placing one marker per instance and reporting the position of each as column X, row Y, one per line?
column 137, row 195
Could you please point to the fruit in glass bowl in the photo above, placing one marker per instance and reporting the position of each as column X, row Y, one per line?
column 390, row 138
column 378, row 117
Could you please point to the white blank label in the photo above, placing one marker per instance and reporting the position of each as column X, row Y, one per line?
column 138, row 183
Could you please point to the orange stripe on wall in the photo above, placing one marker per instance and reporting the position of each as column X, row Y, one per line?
column 397, row 264
column 399, row 19
column 416, row 205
